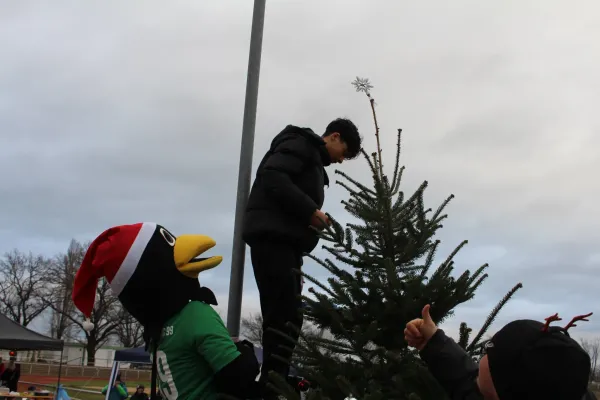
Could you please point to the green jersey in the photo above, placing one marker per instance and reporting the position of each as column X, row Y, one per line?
column 194, row 345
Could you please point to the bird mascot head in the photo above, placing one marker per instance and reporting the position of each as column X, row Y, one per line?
column 153, row 273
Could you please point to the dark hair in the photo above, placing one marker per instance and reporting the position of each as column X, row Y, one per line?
column 348, row 133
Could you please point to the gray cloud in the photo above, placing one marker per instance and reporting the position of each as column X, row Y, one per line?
column 115, row 113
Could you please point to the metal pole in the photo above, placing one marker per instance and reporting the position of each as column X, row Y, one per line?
column 62, row 349
column 238, row 255
column 113, row 377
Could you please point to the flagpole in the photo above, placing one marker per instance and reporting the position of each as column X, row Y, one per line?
column 238, row 255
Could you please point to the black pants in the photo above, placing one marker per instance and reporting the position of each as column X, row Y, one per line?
column 279, row 288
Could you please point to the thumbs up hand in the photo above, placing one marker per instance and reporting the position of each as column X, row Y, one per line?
column 418, row 331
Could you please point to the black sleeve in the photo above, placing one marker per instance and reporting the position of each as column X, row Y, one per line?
column 452, row 367
column 285, row 162
column 238, row 378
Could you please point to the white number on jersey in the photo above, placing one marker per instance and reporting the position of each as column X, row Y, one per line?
column 166, row 377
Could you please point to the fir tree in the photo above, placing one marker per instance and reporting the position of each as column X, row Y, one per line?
column 382, row 275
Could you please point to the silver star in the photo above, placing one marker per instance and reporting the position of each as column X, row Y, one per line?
column 362, row 85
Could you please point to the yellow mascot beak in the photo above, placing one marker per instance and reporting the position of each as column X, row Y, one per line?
column 187, row 250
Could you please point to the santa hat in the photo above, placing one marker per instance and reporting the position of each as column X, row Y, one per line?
column 113, row 255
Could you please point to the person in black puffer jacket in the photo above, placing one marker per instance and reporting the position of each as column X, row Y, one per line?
column 285, row 202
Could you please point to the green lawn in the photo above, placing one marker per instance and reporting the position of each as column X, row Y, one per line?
column 99, row 384
column 85, row 396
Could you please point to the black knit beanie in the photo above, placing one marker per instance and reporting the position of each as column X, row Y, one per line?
column 531, row 360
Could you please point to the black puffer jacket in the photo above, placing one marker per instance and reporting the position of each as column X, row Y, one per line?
column 288, row 189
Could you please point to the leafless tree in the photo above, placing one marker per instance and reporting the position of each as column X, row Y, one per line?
column 62, row 275
column 252, row 328
column 105, row 317
column 22, row 278
column 129, row 331
column 592, row 347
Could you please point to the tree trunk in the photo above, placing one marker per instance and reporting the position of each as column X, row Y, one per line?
column 90, row 347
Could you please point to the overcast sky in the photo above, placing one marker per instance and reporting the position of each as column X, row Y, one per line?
column 119, row 112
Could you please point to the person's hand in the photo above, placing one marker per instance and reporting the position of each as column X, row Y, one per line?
column 418, row 331
column 316, row 218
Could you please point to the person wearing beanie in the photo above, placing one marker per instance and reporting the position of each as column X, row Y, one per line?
column 139, row 394
column 193, row 354
column 525, row 360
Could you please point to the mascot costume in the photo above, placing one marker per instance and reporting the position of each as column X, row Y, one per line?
column 155, row 276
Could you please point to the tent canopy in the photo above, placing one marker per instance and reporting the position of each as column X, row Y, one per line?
column 16, row 337
column 136, row 355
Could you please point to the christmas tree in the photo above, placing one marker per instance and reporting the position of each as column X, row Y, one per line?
column 382, row 275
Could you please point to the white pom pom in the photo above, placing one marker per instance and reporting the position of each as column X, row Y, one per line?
column 87, row 325
column 350, row 398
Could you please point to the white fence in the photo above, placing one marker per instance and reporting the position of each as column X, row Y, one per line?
column 36, row 369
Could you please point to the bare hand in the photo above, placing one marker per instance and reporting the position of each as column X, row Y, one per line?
column 420, row 330
column 316, row 218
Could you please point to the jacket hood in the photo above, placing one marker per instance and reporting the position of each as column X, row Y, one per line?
column 292, row 132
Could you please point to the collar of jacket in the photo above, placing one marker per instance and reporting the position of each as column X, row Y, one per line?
column 325, row 157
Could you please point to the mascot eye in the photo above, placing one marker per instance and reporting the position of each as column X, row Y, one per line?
column 168, row 237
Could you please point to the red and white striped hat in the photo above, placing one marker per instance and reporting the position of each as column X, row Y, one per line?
column 113, row 255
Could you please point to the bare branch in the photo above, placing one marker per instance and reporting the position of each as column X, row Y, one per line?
column 68, row 322
column 22, row 279
column 252, row 328
column 129, row 331
column 61, row 277
column 592, row 347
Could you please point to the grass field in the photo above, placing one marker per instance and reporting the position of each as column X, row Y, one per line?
column 72, row 385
